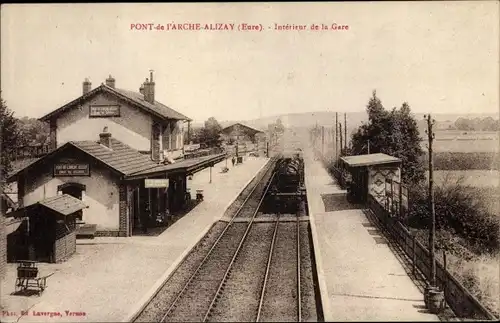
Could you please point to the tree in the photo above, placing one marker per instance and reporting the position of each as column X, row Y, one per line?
column 10, row 138
column 210, row 134
column 32, row 131
column 393, row 133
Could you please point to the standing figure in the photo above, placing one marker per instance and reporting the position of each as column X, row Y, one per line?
column 233, row 160
column 145, row 217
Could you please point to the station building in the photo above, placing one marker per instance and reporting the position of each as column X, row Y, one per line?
column 244, row 137
column 105, row 144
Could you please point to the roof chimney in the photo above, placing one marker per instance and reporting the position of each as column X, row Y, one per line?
column 141, row 89
column 110, row 81
column 87, row 86
column 105, row 138
column 149, row 89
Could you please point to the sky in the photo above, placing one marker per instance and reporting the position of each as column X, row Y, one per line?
column 440, row 57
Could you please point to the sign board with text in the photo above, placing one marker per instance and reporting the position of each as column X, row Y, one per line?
column 156, row 183
column 71, row 170
column 104, row 111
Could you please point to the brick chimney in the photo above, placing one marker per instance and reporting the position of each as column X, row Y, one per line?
column 141, row 89
column 110, row 81
column 105, row 138
column 87, row 86
column 149, row 89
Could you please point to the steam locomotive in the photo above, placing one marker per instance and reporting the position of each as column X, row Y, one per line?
column 289, row 175
column 286, row 186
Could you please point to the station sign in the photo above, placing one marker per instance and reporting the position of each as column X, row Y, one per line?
column 104, row 111
column 156, row 183
column 71, row 170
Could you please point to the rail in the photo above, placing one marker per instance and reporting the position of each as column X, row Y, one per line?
column 461, row 301
column 299, row 295
column 172, row 305
column 268, row 267
column 207, row 314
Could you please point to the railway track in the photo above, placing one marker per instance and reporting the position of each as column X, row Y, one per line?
column 281, row 294
column 247, row 270
column 196, row 299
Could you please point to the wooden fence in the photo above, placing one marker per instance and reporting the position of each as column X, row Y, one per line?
column 461, row 301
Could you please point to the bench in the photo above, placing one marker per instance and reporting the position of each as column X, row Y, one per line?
column 86, row 231
column 27, row 277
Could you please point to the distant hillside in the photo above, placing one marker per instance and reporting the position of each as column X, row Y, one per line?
column 354, row 120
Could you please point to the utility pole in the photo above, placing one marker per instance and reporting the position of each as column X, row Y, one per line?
column 336, row 137
column 340, row 130
column 345, row 130
column 432, row 231
column 323, row 140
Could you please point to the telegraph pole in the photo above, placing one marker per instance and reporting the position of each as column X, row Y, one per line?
column 340, row 130
column 432, row 231
column 322, row 140
column 345, row 130
column 336, row 137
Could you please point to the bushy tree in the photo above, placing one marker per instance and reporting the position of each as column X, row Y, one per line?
column 393, row 133
column 32, row 131
column 210, row 134
column 10, row 138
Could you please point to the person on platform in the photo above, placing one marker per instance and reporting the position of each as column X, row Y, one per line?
column 233, row 160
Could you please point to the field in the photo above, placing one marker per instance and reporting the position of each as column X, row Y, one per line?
column 463, row 141
column 474, row 178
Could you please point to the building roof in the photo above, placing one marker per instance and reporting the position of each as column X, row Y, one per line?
column 121, row 158
column 187, row 165
column 370, row 159
column 135, row 98
column 8, row 200
column 228, row 128
column 63, row 204
column 125, row 160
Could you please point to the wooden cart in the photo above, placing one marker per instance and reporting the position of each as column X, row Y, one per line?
column 27, row 277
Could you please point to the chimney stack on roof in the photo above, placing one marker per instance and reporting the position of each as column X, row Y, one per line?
column 141, row 89
column 110, row 81
column 149, row 89
column 87, row 86
column 105, row 138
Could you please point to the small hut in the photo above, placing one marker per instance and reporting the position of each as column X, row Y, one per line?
column 49, row 228
column 369, row 174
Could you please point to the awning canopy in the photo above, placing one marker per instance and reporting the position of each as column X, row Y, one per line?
column 370, row 160
column 62, row 204
column 188, row 166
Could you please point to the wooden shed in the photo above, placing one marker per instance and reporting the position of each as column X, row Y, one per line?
column 50, row 230
column 369, row 173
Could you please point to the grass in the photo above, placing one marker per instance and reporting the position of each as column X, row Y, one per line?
column 464, row 141
column 464, row 160
column 479, row 273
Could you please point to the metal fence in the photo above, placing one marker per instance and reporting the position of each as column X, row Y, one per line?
column 397, row 198
column 203, row 152
column 461, row 301
column 30, row 151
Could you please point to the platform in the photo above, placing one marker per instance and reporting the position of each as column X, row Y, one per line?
column 108, row 277
column 360, row 279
